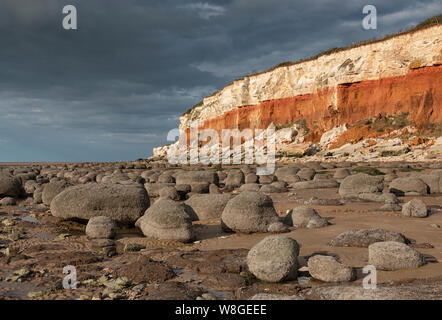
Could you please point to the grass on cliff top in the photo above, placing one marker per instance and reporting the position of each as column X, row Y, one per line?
column 430, row 22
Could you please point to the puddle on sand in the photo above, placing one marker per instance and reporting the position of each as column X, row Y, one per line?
column 29, row 219
column 43, row 236
column 177, row 271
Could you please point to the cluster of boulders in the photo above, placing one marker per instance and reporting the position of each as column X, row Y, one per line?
column 275, row 258
column 164, row 202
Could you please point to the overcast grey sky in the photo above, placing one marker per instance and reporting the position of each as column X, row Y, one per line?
column 112, row 89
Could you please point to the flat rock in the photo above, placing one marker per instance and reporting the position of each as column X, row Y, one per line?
column 391, row 255
column 122, row 203
column 328, row 269
column 365, row 237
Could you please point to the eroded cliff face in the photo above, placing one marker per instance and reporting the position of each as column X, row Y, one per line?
column 399, row 75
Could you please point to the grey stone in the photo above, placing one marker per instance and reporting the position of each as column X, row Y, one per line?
column 8, row 201
column 213, row 189
column 415, row 208
column 392, row 255
column 341, row 173
column 166, row 177
column 122, row 203
column 101, row 227
column 306, row 174
column 169, row 193
column 365, row 237
column 208, row 206
column 274, row 259
column 315, row 184
column 433, row 180
column 153, row 189
column 328, row 269
column 31, row 186
column 287, row 174
column 192, row 177
column 428, row 291
column 202, row 187
column 408, row 186
column 167, row 220
column 266, row 179
column 251, row 212
column 235, row 178
column 10, row 186
column 359, row 184
column 305, row 217
column 53, row 188
column 251, row 178
column 272, row 188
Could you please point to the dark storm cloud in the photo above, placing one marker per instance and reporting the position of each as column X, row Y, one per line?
column 112, row 89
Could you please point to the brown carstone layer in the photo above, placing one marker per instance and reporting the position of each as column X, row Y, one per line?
column 417, row 93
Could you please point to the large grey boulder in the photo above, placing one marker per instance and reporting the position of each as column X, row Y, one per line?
column 53, row 188
column 274, row 259
column 358, row 185
column 101, row 227
column 166, row 177
column 306, row 173
column 8, row 201
column 153, row 189
column 391, row 255
column 208, row 206
column 167, row 220
column 425, row 291
column 265, row 179
column 169, row 193
column 200, row 187
column 415, row 208
column 365, row 237
column 122, row 203
column 408, row 186
column 287, row 174
column 30, row 186
column 251, row 212
column 10, row 186
column 341, row 173
column 214, row 189
column 193, row 177
column 433, row 180
column 328, row 269
column 251, row 178
column 38, row 195
column 235, row 178
column 305, row 217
